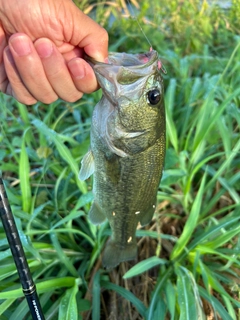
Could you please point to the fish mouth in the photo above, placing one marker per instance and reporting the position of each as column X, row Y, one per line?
column 124, row 69
column 141, row 60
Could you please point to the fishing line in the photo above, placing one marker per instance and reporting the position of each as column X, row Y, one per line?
column 134, row 17
column 28, row 286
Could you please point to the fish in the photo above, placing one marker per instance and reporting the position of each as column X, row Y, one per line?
column 127, row 149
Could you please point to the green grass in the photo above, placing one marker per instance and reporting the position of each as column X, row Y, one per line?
column 188, row 265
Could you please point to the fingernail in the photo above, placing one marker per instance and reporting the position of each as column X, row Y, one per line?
column 77, row 69
column 20, row 45
column 44, row 48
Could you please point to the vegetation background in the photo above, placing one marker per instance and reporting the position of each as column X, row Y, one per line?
column 188, row 265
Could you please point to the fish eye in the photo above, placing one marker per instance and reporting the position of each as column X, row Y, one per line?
column 154, row 96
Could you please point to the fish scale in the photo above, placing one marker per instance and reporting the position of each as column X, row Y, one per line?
column 127, row 149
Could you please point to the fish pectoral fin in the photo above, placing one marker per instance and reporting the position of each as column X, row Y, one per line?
column 114, row 254
column 87, row 167
column 96, row 214
column 146, row 216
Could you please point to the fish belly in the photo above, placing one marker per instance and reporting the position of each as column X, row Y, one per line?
column 125, row 191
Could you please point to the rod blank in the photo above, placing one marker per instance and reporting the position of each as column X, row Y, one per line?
column 19, row 257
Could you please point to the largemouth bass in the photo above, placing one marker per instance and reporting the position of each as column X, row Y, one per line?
column 127, row 149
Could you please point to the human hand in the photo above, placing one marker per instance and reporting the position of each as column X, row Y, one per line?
column 42, row 43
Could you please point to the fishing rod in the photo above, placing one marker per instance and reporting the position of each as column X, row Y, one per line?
column 28, row 286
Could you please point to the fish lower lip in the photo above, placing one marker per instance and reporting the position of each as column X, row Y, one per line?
column 92, row 61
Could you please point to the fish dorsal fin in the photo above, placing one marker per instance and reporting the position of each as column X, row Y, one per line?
column 87, row 167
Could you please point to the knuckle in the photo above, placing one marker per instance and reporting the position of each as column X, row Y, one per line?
column 104, row 35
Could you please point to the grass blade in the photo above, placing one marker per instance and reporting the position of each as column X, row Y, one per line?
column 63, row 151
column 127, row 295
column 214, row 230
column 215, row 303
column 159, row 287
column 171, row 298
column 191, row 222
column 170, row 126
column 24, row 174
column 186, row 299
column 62, row 256
column 143, row 266
column 5, row 305
column 43, row 286
column 68, row 306
column 96, row 294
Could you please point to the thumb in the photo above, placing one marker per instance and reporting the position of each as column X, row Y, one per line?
column 86, row 34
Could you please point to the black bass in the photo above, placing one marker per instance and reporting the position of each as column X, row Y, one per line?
column 127, row 149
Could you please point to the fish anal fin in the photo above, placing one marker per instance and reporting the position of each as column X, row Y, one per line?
column 96, row 214
column 114, row 254
column 87, row 167
column 146, row 216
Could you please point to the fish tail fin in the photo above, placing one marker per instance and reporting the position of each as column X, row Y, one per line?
column 114, row 254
